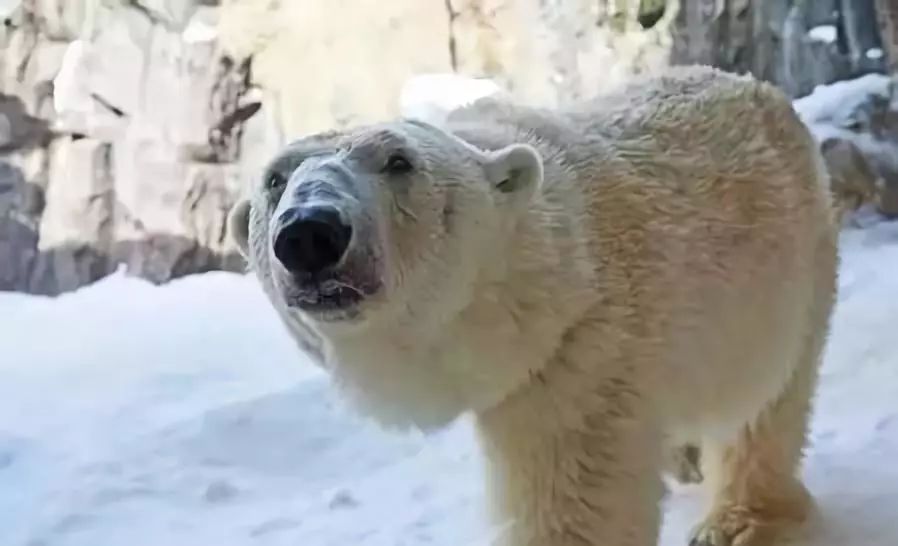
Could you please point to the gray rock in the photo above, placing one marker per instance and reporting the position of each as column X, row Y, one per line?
column 18, row 129
column 75, row 235
column 861, row 35
column 887, row 15
column 18, row 239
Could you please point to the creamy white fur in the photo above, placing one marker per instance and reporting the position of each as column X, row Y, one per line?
column 665, row 272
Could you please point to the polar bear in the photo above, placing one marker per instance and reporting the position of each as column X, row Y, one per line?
column 652, row 267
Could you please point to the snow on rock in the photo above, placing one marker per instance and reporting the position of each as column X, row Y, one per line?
column 862, row 111
column 184, row 415
column 432, row 97
column 823, row 33
column 844, row 96
column 198, row 31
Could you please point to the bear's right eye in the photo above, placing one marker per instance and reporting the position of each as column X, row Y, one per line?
column 397, row 164
column 275, row 181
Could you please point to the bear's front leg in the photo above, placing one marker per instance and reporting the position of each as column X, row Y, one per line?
column 574, row 460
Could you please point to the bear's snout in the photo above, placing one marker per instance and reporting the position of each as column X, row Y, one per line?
column 311, row 239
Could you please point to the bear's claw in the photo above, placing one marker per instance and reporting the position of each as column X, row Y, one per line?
column 739, row 526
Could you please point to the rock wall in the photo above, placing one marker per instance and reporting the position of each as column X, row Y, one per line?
column 796, row 44
column 127, row 127
column 127, row 123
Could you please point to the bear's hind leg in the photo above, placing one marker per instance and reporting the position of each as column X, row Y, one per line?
column 758, row 495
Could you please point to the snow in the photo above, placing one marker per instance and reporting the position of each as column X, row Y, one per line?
column 431, row 97
column 199, row 31
column 183, row 415
column 7, row 7
column 823, row 33
column 841, row 97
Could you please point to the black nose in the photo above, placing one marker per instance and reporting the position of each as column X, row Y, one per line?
column 311, row 239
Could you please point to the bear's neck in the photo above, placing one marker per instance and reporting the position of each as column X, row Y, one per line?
column 429, row 369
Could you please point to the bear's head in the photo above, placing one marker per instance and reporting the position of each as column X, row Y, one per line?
column 377, row 238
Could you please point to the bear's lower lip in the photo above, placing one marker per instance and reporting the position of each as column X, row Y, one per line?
column 335, row 299
column 328, row 299
column 332, row 296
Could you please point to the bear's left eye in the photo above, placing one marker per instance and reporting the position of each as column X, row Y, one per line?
column 397, row 164
column 275, row 180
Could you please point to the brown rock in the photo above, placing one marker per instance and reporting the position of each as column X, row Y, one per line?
column 887, row 199
column 852, row 179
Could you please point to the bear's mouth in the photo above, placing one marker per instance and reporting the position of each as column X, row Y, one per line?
column 326, row 296
column 329, row 299
column 333, row 293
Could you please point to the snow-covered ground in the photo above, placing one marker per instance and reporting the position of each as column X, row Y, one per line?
column 133, row 415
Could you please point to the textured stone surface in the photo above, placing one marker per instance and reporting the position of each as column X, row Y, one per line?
column 853, row 180
column 75, row 234
column 18, row 235
column 129, row 126
column 887, row 14
column 797, row 45
column 552, row 53
column 318, row 70
column 147, row 114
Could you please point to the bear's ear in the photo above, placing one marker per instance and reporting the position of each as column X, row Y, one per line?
column 238, row 225
column 516, row 170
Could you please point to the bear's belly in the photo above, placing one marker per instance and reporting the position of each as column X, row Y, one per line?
column 733, row 358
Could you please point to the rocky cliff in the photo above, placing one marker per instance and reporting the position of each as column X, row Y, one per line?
column 128, row 126
column 125, row 129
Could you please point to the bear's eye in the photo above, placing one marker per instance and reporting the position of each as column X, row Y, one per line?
column 397, row 164
column 275, row 181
